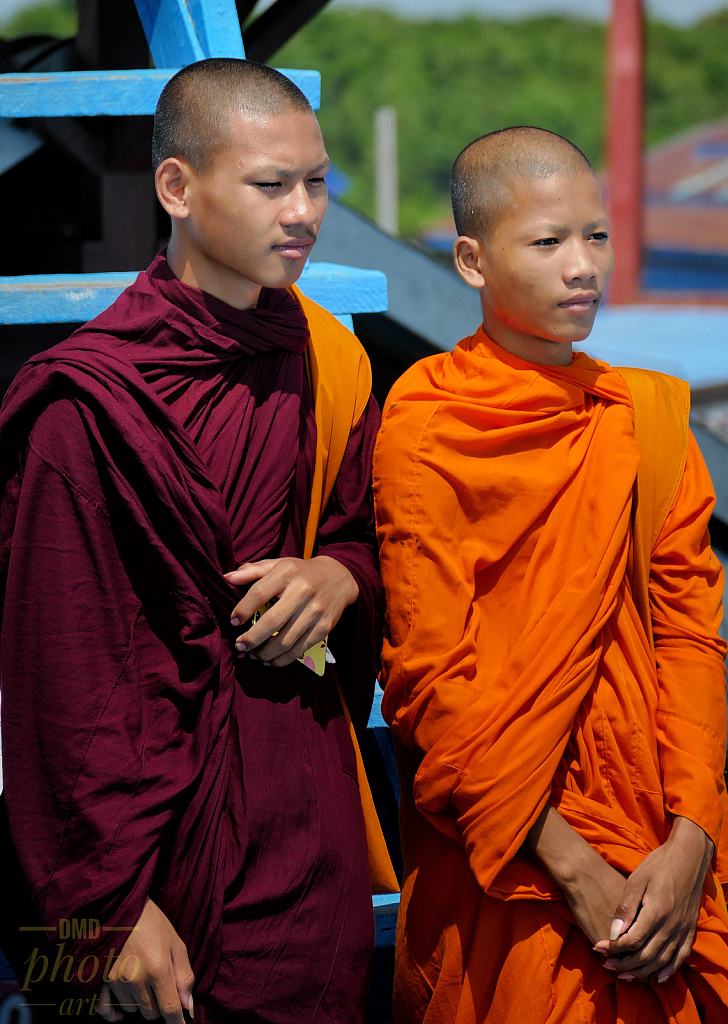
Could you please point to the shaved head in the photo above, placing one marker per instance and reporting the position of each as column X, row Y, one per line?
column 195, row 110
column 485, row 172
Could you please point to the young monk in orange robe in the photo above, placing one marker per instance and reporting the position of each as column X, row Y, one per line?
column 553, row 672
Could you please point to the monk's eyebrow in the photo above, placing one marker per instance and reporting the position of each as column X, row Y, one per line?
column 269, row 173
column 544, row 230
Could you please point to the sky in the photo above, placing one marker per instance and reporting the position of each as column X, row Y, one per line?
column 677, row 12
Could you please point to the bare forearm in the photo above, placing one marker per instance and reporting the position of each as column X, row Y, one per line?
column 592, row 888
column 559, row 848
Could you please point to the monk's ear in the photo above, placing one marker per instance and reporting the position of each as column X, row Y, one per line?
column 172, row 180
column 467, row 253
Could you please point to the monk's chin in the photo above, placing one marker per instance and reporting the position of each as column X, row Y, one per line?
column 282, row 276
column 560, row 338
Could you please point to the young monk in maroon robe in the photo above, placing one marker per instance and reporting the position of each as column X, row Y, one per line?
column 553, row 671
column 168, row 768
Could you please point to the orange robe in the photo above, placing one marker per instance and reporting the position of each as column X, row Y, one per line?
column 517, row 671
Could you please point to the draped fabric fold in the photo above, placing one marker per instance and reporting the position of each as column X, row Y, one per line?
column 517, row 669
column 160, row 446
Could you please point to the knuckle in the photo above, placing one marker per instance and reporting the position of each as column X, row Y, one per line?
column 156, row 966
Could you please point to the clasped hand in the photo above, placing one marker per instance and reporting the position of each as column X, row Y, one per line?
column 657, row 907
column 311, row 596
column 654, row 925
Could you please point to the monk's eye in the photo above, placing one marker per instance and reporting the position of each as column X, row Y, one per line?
column 268, row 184
column 601, row 236
column 318, row 182
column 546, row 241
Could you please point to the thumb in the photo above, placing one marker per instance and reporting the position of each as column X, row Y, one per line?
column 250, row 571
column 628, row 907
column 183, row 977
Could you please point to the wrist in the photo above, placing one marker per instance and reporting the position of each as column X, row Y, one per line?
column 692, row 839
column 562, row 852
column 348, row 587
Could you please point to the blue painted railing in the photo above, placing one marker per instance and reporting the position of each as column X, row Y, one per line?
column 75, row 298
column 182, row 31
column 114, row 93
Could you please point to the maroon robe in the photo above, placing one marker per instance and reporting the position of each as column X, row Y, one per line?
column 164, row 443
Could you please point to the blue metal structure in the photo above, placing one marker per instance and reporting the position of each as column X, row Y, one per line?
column 75, row 298
column 178, row 32
column 114, row 93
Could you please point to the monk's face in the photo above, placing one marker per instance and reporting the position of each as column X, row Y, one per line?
column 543, row 270
column 251, row 219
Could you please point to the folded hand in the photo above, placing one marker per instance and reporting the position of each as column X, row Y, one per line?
column 656, row 917
column 591, row 887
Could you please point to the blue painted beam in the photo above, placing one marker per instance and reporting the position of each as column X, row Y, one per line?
column 58, row 298
column 345, row 289
column 218, row 27
column 376, row 720
column 170, row 31
column 115, row 93
column 75, row 298
column 81, row 93
column 386, row 909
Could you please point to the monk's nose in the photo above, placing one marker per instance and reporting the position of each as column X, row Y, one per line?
column 302, row 209
column 581, row 265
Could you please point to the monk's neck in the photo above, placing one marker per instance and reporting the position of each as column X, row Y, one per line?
column 527, row 346
column 192, row 267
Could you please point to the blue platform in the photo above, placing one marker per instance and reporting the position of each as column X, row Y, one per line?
column 690, row 342
column 75, row 298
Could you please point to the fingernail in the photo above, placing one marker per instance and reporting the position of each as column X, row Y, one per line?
column 616, row 930
column 608, row 968
column 240, row 646
column 191, row 1006
column 626, row 977
column 267, row 664
column 663, row 976
column 235, row 621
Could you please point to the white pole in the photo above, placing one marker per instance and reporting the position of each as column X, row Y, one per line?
column 387, row 170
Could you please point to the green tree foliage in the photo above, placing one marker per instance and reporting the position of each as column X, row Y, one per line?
column 49, row 19
column 451, row 81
